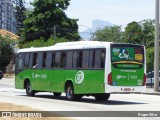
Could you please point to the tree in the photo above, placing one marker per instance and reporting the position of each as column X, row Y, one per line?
column 6, row 52
column 148, row 30
column 20, row 14
column 46, row 15
column 133, row 33
column 109, row 33
column 150, row 59
column 140, row 33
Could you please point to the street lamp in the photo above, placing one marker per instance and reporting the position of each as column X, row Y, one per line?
column 91, row 32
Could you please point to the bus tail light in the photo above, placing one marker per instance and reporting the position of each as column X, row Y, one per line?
column 110, row 78
column 144, row 80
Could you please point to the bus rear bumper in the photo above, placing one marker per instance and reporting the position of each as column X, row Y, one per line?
column 124, row 89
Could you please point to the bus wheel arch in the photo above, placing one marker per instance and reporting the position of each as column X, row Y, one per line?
column 69, row 90
column 27, row 86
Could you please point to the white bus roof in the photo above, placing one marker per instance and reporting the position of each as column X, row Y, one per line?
column 69, row 45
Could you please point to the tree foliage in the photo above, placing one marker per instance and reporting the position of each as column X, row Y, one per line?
column 150, row 59
column 148, row 30
column 6, row 52
column 133, row 33
column 41, row 42
column 109, row 33
column 20, row 14
column 46, row 15
column 140, row 33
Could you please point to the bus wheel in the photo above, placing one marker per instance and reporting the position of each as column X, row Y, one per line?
column 70, row 93
column 29, row 90
column 102, row 97
column 57, row 94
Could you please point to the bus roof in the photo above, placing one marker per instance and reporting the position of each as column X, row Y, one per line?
column 69, row 45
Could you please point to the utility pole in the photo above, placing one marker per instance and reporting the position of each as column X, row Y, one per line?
column 156, row 51
column 54, row 34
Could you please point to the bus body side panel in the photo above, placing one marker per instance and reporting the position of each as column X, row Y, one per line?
column 19, row 81
column 54, row 80
column 86, row 81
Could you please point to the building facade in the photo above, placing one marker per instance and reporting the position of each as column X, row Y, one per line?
column 7, row 16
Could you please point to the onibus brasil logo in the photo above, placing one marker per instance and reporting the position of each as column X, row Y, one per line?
column 79, row 77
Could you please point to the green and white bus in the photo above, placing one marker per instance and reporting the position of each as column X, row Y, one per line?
column 82, row 68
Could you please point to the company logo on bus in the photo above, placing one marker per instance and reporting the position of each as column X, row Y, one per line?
column 79, row 77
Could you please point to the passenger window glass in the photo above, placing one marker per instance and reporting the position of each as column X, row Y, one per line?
column 75, row 59
column 49, row 60
column 69, row 60
column 35, row 60
column 20, row 61
column 85, row 59
column 102, row 58
column 40, row 60
column 63, row 59
column 91, row 59
column 44, row 59
column 53, row 60
column 26, row 63
column 57, row 60
column 80, row 54
column 31, row 60
column 97, row 59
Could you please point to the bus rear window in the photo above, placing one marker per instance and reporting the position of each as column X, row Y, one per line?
column 127, row 53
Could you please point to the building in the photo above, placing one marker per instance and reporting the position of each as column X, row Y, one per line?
column 7, row 16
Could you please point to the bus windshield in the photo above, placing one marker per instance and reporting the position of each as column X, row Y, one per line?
column 127, row 54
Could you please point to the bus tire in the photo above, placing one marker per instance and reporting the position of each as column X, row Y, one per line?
column 29, row 90
column 57, row 94
column 70, row 94
column 102, row 97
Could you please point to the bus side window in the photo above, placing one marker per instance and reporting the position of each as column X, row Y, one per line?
column 69, row 60
column 53, row 60
column 40, row 60
column 80, row 54
column 63, row 59
column 48, row 60
column 85, row 59
column 91, row 60
column 57, row 60
column 34, row 60
column 30, row 60
column 26, row 60
column 102, row 58
column 97, row 59
column 75, row 60
column 44, row 60
column 20, row 62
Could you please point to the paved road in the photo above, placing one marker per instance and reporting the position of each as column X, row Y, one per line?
column 47, row 102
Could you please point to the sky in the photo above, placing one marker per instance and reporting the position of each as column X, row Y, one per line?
column 118, row 12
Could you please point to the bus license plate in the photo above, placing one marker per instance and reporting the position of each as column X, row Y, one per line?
column 127, row 89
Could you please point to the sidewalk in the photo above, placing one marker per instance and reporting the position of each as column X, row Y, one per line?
column 150, row 91
column 8, row 76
